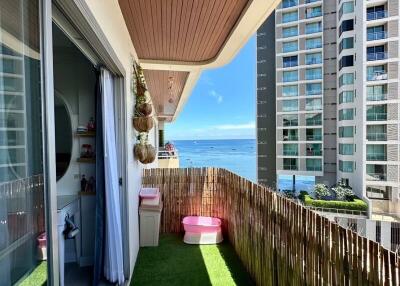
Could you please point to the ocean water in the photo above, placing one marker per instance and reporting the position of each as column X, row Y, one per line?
column 238, row 156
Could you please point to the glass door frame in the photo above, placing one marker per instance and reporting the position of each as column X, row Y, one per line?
column 49, row 153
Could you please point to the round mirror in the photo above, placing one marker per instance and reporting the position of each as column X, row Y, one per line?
column 63, row 134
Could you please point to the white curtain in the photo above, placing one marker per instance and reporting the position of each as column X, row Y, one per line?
column 113, row 257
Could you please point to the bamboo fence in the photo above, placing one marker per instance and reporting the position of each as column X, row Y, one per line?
column 279, row 241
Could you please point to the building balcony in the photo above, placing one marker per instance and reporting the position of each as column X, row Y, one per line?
column 290, row 153
column 290, row 138
column 290, row 64
column 289, row 3
column 376, row 15
column 314, row 153
column 376, row 116
column 377, row 96
column 377, row 56
column 382, row 75
column 376, row 157
column 313, row 122
column 376, row 136
column 270, row 236
column 314, row 137
column 290, row 167
column 313, row 14
column 373, row 36
column 376, row 177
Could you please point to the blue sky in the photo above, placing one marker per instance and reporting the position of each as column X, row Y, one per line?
column 222, row 104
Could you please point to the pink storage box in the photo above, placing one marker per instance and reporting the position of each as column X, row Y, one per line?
column 150, row 196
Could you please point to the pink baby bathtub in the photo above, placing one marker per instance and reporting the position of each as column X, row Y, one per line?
column 202, row 230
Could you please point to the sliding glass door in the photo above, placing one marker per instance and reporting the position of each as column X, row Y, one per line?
column 22, row 207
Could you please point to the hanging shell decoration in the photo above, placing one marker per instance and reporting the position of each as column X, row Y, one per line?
column 143, row 120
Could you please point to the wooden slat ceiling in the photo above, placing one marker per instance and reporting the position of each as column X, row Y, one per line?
column 180, row 30
column 165, row 88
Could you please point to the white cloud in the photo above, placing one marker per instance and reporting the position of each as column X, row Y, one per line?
column 216, row 95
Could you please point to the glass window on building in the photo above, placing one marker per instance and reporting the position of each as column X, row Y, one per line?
column 377, row 112
column 313, row 27
column 347, row 25
column 290, row 120
column 314, row 43
column 314, row 73
column 313, row 59
column 290, row 90
column 291, row 46
column 378, row 72
column 313, row 12
column 290, row 134
column 313, row 134
column 289, row 3
column 346, row 43
column 346, row 166
column 290, row 105
column 376, row 172
column 346, row 132
column 290, row 150
column 346, row 61
column 290, row 164
column 289, row 16
column 289, row 31
column 314, row 88
column 346, row 149
column 346, row 8
column 290, row 61
column 313, row 119
column 377, row 132
column 346, row 114
column 376, row 33
column 346, row 96
column 346, row 79
column 314, row 149
column 313, row 164
column 377, row 92
column 376, row 53
column 376, row 152
column 314, row 104
column 289, row 76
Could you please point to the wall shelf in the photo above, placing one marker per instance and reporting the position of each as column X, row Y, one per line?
column 86, row 134
column 86, row 160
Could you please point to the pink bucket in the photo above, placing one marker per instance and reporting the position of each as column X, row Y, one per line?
column 201, row 224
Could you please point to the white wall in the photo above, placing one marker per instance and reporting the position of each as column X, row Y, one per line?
column 110, row 19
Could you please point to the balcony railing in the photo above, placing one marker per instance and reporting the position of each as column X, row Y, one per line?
column 376, row 15
column 376, row 177
column 279, row 241
column 376, row 157
column 290, row 64
column 382, row 75
column 290, row 153
column 289, row 3
column 290, row 123
column 314, row 168
column 314, row 153
column 377, row 96
column 290, row 138
column 314, row 137
column 290, row 167
column 376, row 116
column 377, row 56
column 373, row 36
column 313, row 122
column 376, row 136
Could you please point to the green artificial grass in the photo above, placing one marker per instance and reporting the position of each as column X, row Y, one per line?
column 38, row 277
column 176, row 263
